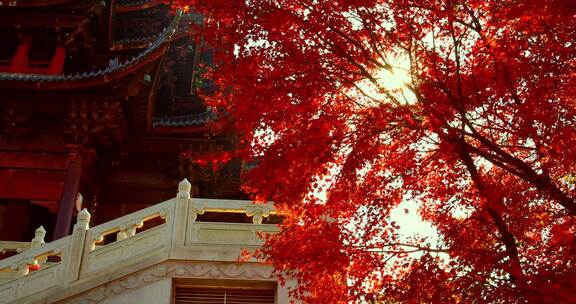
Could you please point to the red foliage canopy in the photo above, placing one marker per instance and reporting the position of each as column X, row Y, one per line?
column 482, row 137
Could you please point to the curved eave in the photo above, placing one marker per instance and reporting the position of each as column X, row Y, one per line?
column 87, row 82
column 115, row 70
column 198, row 122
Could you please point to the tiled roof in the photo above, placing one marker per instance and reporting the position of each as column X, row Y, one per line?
column 184, row 120
column 113, row 65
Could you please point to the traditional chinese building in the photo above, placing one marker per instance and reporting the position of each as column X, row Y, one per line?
column 101, row 126
column 99, row 100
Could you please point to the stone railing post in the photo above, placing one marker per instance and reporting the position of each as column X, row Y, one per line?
column 181, row 212
column 73, row 259
column 38, row 239
column 129, row 230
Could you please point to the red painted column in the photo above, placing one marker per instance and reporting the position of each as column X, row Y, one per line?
column 57, row 63
column 19, row 63
column 71, row 184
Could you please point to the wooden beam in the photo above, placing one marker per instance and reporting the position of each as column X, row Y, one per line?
column 31, row 190
column 32, row 160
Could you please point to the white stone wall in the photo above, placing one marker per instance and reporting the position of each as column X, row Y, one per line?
column 156, row 293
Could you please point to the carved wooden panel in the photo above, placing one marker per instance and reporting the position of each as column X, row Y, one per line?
column 95, row 122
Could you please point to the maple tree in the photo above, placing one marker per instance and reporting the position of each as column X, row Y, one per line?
column 481, row 136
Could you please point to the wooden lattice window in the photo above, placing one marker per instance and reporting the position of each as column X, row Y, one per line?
column 220, row 295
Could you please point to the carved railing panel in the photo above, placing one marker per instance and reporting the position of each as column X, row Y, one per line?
column 130, row 243
column 247, row 235
column 228, row 234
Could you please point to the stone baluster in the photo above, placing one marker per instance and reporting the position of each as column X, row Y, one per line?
column 96, row 239
column 130, row 229
column 121, row 235
column 181, row 212
column 258, row 212
column 72, row 259
column 38, row 239
column 195, row 209
column 163, row 214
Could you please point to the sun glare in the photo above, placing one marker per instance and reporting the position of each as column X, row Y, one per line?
column 392, row 80
column 388, row 85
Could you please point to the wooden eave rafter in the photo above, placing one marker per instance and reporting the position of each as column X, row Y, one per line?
column 83, row 31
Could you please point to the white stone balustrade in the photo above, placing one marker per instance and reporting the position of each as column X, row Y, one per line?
column 43, row 267
column 165, row 231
